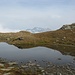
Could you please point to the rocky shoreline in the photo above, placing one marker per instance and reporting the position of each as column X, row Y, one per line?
column 32, row 68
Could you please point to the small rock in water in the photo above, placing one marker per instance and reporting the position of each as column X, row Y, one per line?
column 59, row 58
column 42, row 70
column 38, row 65
column 43, row 73
column 10, row 67
column 73, row 58
column 5, row 69
column 24, row 66
column 12, row 63
column 1, row 65
column 60, row 74
column 7, row 74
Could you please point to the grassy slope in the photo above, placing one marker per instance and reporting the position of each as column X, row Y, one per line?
column 63, row 40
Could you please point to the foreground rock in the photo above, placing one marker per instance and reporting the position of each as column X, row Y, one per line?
column 31, row 68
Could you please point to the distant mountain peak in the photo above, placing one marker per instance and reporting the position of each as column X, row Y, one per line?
column 38, row 30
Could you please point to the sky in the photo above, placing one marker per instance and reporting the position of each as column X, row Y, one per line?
column 26, row 14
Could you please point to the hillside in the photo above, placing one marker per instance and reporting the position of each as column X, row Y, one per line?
column 62, row 39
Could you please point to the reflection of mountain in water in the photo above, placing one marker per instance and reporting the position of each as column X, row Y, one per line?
column 65, row 49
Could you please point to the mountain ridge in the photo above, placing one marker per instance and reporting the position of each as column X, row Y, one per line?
column 38, row 30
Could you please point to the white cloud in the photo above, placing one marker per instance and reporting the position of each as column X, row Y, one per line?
column 16, row 15
column 5, row 30
column 56, row 16
column 22, row 18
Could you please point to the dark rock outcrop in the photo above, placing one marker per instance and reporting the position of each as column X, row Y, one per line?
column 71, row 26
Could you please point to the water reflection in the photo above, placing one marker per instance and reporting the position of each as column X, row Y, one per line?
column 40, row 54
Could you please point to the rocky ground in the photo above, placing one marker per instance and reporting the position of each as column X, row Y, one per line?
column 30, row 68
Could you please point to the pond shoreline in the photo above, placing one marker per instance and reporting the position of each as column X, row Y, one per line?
column 42, row 55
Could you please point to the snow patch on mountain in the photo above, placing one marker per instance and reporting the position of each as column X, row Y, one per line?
column 38, row 30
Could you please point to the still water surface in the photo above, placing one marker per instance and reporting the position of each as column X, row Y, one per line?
column 40, row 54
